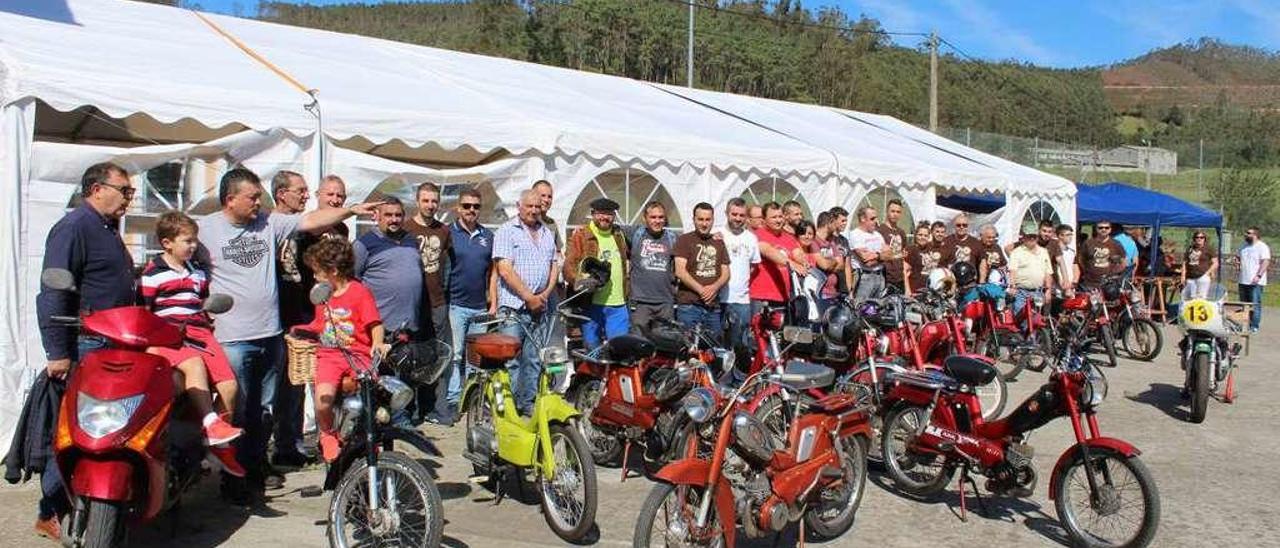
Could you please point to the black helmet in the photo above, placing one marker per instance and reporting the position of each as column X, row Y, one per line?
column 840, row 324
column 964, row 273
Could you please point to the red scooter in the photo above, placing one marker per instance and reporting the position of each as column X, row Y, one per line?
column 122, row 453
column 1104, row 494
column 816, row 474
column 995, row 329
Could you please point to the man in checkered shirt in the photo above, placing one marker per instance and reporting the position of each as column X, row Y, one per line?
column 525, row 252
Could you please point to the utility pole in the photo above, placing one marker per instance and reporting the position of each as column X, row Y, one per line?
column 933, row 81
column 688, row 81
column 1200, row 173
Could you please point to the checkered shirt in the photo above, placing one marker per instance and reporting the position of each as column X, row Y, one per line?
column 531, row 258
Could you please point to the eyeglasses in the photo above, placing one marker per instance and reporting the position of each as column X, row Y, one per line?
column 469, row 206
column 126, row 191
column 962, row 225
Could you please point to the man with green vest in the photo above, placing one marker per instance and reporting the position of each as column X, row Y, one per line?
column 602, row 239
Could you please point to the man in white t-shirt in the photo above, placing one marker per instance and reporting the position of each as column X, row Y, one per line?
column 735, row 298
column 866, row 244
column 1254, row 259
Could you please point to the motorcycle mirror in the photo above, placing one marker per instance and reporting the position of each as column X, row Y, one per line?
column 59, row 279
column 217, row 303
column 321, row 292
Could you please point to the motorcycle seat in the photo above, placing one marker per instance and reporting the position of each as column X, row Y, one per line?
column 800, row 375
column 969, row 369
column 491, row 350
column 627, row 350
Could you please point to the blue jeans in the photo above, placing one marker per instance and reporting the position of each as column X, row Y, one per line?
column 460, row 327
column 1253, row 294
column 53, row 493
column 524, row 370
column 736, row 318
column 257, row 364
column 1020, row 297
column 604, row 323
column 690, row 315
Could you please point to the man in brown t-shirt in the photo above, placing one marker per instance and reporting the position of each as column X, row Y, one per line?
column 895, row 240
column 967, row 248
column 433, row 244
column 992, row 262
column 702, row 268
column 1099, row 257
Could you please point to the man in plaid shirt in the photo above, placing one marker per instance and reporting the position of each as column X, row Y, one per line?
column 524, row 251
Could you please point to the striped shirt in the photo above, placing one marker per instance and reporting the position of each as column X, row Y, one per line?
column 531, row 258
column 175, row 296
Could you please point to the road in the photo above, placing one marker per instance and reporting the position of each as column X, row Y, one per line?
column 1213, row 478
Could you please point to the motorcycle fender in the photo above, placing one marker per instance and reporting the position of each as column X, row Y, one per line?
column 548, row 409
column 414, row 438
column 694, row 472
column 103, row 479
column 1119, row 446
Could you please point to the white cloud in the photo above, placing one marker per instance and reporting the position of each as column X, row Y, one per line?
column 986, row 25
column 895, row 15
column 1266, row 19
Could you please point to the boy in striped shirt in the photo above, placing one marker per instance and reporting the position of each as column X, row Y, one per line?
column 174, row 288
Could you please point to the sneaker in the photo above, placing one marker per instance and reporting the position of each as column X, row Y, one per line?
column 272, row 479
column 224, row 457
column 220, row 433
column 49, row 528
column 330, row 446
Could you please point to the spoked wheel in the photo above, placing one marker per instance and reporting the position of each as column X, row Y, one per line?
column 569, row 496
column 832, row 513
column 1201, row 386
column 1007, row 363
column 772, row 413
column 104, row 525
column 860, row 385
column 669, row 517
column 914, row 472
column 606, row 449
column 1108, row 342
column 480, row 420
column 993, row 397
column 1124, row 511
column 1143, row 340
column 408, row 512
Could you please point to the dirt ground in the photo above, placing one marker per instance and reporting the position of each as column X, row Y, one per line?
column 1214, row 483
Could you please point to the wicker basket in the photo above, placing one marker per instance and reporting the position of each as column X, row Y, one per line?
column 302, row 361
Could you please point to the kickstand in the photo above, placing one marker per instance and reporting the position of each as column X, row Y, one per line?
column 965, row 477
column 626, row 456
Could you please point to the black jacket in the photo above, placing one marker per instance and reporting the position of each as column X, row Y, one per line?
column 33, row 439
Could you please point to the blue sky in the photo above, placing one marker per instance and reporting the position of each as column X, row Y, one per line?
column 1045, row 32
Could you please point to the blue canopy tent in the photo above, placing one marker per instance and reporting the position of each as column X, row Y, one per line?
column 1121, row 203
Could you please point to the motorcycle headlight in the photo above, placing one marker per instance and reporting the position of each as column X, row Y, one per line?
column 400, row 392
column 698, row 404
column 101, row 417
column 725, row 358
column 1094, row 391
column 553, row 354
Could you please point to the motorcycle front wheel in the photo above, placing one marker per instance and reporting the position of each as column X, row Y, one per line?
column 409, row 510
column 569, row 497
column 993, row 396
column 1201, row 386
column 831, row 515
column 606, row 450
column 1142, row 340
column 915, row 472
column 1124, row 512
column 103, row 528
column 669, row 518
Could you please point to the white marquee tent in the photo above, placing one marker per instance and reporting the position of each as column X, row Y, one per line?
column 178, row 96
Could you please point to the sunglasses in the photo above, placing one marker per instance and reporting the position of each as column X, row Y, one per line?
column 962, row 225
column 1200, row 237
column 126, row 191
column 469, row 206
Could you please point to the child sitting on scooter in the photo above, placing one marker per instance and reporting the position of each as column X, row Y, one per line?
column 174, row 288
column 349, row 320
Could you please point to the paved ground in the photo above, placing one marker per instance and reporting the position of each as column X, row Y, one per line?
column 1215, row 483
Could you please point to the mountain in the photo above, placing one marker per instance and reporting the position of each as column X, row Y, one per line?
column 1195, row 74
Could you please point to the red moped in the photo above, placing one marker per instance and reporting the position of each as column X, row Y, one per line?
column 126, row 448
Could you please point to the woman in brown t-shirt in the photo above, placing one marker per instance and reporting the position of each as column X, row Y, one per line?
column 1198, row 265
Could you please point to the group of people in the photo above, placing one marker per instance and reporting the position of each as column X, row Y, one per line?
column 413, row 272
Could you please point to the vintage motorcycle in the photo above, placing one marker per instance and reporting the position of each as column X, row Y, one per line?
column 1016, row 339
column 500, row 441
column 815, row 475
column 1207, row 356
column 127, row 448
column 380, row 495
column 1104, row 494
column 1131, row 323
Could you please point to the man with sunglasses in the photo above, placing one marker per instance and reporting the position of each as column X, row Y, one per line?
column 967, row 248
column 1099, row 257
column 867, row 244
column 1254, row 259
column 471, row 287
column 87, row 243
